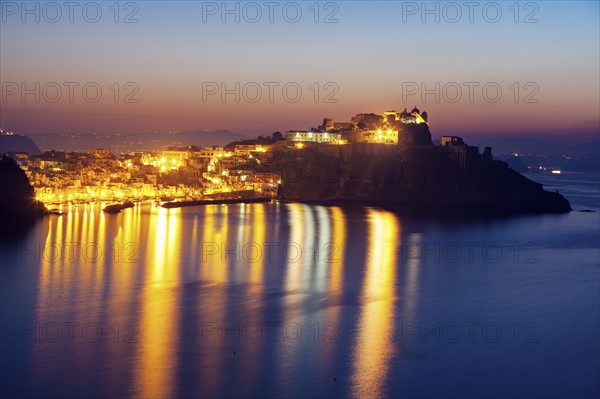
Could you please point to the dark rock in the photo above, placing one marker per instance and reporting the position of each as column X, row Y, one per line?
column 412, row 177
column 18, row 205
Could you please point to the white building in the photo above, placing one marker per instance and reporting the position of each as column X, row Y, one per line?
column 313, row 137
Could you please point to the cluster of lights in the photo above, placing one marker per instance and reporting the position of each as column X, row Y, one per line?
column 164, row 164
column 380, row 133
column 90, row 195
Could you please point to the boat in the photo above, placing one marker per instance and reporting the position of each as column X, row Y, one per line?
column 116, row 208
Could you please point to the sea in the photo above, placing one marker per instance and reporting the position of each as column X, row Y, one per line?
column 292, row 300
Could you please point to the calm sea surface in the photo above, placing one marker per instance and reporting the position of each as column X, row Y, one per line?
column 294, row 300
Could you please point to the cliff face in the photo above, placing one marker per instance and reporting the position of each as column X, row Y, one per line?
column 17, row 198
column 410, row 177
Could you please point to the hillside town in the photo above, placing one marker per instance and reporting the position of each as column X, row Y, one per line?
column 215, row 172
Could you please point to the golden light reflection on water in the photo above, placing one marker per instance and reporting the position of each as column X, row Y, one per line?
column 47, row 271
column 258, row 253
column 96, row 233
column 73, row 259
column 294, row 264
column 123, row 254
column 309, row 251
column 214, row 270
column 159, row 322
column 149, row 292
column 372, row 350
column 298, row 268
column 215, row 240
column 338, row 249
column 323, row 249
column 329, row 326
column 250, row 355
column 122, row 263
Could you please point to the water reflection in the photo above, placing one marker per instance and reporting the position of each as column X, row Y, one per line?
column 134, row 267
column 257, row 252
column 375, row 327
column 156, row 359
column 294, row 250
column 250, row 356
column 212, row 307
column 322, row 249
column 46, row 280
column 329, row 325
column 336, row 250
column 411, row 284
column 333, row 268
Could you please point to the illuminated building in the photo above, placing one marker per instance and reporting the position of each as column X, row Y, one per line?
column 384, row 136
column 212, row 152
column 312, row 136
column 100, row 152
column 390, row 128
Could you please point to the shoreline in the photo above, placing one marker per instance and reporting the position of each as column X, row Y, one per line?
column 184, row 204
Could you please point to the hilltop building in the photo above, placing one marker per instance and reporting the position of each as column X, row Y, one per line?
column 463, row 154
column 403, row 128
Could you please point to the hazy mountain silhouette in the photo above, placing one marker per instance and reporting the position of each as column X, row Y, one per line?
column 127, row 142
column 18, row 143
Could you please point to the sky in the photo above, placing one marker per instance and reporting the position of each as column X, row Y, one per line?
column 476, row 67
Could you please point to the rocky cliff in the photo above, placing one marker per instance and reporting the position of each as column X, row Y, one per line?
column 411, row 177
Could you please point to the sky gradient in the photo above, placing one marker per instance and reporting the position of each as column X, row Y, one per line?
column 372, row 55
